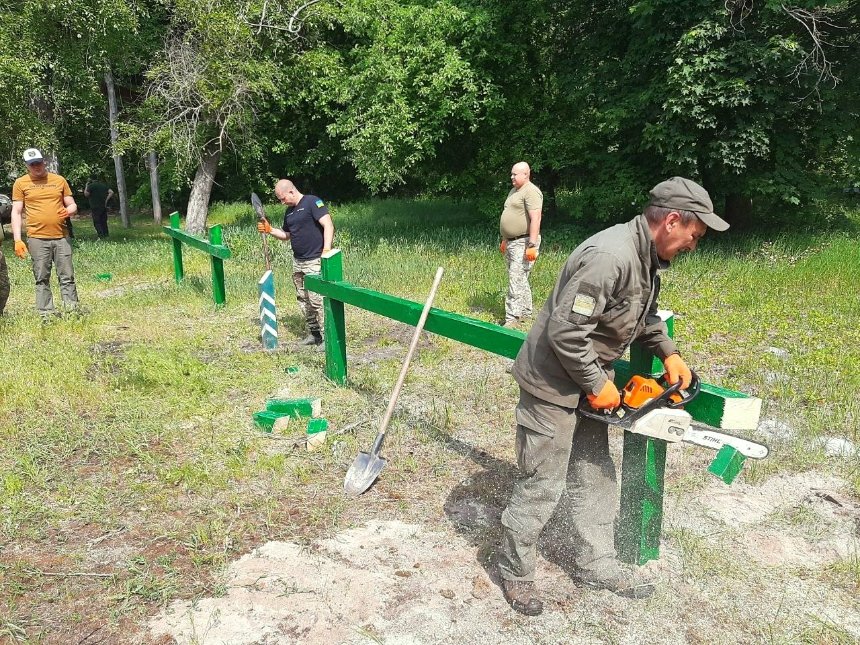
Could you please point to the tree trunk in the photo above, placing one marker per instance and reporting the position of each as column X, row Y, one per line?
column 152, row 164
column 117, row 159
column 201, row 189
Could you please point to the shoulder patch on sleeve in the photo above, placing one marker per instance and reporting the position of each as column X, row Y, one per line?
column 583, row 305
column 319, row 203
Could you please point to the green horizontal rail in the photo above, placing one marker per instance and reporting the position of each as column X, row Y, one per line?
column 477, row 333
column 709, row 407
column 218, row 250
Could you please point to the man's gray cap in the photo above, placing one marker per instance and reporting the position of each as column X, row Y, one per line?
column 687, row 195
column 31, row 155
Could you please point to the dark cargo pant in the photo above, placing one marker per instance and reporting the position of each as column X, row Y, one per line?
column 47, row 253
column 4, row 282
column 561, row 457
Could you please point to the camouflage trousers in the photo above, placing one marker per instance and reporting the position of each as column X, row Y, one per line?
column 566, row 470
column 4, row 282
column 518, row 301
column 310, row 302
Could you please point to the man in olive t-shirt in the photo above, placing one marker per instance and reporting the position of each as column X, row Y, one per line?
column 519, row 227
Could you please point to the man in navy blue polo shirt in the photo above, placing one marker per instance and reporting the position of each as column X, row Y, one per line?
column 309, row 228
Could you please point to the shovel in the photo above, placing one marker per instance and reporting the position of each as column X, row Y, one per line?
column 261, row 215
column 367, row 466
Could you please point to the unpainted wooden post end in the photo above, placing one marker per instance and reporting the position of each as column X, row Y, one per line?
column 316, row 430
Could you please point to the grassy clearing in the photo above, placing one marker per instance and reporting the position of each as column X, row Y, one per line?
column 130, row 471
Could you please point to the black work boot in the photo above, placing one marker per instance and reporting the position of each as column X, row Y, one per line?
column 619, row 579
column 522, row 596
column 314, row 338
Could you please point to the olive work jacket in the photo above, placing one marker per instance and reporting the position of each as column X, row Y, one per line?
column 605, row 298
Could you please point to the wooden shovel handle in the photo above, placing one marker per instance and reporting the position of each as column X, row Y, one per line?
column 411, row 351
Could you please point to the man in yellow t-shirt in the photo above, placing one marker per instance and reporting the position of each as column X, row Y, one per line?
column 519, row 227
column 46, row 201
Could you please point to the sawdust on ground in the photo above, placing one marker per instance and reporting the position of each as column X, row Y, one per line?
column 739, row 564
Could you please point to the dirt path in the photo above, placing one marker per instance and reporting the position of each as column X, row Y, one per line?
column 739, row 564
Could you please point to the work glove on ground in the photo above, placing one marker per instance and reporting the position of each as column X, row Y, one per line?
column 607, row 399
column 531, row 254
column 264, row 227
column 676, row 369
column 20, row 249
column 503, row 246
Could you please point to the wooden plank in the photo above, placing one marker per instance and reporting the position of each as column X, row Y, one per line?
column 643, row 469
column 714, row 406
column 217, row 250
column 268, row 315
column 477, row 333
column 334, row 320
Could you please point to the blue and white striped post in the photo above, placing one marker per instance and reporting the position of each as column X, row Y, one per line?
column 268, row 320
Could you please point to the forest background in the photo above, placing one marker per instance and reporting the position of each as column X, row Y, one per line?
column 756, row 99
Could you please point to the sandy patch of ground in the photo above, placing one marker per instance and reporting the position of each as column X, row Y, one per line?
column 393, row 582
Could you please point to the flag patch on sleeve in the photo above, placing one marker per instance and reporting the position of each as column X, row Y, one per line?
column 320, row 203
column 583, row 305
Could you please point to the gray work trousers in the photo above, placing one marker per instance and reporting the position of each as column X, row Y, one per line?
column 47, row 253
column 564, row 458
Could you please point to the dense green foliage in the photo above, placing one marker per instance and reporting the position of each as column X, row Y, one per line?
column 756, row 99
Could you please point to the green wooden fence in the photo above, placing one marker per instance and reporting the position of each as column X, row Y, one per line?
column 218, row 252
column 644, row 459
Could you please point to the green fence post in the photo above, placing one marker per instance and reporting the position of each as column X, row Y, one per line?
column 178, row 270
column 642, row 470
column 335, row 323
column 219, row 293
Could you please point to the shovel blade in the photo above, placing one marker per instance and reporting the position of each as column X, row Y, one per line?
column 362, row 473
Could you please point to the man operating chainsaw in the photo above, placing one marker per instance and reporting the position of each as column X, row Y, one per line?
column 605, row 298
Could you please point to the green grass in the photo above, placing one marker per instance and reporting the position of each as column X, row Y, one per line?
column 133, row 421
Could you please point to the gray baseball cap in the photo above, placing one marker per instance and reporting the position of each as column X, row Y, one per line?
column 687, row 195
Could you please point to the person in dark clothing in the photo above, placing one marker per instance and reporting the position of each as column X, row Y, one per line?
column 99, row 195
column 309, row 228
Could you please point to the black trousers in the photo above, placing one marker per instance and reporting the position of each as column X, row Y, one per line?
column 100, row 221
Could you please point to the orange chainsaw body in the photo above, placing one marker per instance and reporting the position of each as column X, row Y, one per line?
column 641, row 389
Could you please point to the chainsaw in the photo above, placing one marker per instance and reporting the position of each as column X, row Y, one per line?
column 649, row 409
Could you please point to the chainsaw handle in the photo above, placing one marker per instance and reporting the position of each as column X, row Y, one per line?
column 661, row 401
column 689, row 394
